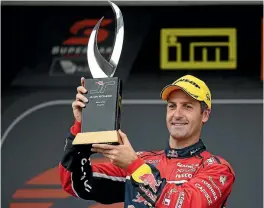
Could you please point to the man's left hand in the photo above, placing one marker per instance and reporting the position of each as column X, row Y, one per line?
column 120, row 155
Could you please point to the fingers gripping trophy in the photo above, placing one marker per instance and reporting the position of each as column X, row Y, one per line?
column 98, row 102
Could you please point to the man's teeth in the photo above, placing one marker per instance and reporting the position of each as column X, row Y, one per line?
column 178, row 124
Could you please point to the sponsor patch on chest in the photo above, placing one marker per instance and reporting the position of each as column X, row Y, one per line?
column 184, row 176
column 185, row 171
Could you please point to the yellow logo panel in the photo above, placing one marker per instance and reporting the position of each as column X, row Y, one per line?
column 198, row 48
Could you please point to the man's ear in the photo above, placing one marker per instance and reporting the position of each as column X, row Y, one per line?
column 206, row 114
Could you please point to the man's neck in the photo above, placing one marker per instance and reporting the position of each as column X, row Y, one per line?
column 180, row 144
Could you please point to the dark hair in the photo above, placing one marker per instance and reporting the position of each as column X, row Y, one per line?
column 203, row 106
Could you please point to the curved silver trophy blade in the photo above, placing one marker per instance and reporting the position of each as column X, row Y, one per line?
column 118, row 43
column 97, row 63
column 93, row 52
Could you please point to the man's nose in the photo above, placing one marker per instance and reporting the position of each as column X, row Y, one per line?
column 177, row 113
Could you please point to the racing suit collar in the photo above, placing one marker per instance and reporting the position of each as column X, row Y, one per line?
column 189, row 151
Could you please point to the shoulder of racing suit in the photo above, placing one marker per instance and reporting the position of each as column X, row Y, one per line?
column 209, row 159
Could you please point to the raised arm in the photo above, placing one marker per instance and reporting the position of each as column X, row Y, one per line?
column 104, row 183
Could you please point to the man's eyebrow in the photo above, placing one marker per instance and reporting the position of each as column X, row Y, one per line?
column 188, row 102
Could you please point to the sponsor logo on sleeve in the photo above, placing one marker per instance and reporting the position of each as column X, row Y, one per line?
column 148, row 193
column 210, row 188
column 180, row 200
column 149, row 179
column 210, row 161
column 140, row 199
column 222, row 180
column 214, row 185
column 207, row 196
column 167, row 197
column 87, row 187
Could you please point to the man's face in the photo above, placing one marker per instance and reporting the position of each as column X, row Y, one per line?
column 184, row 116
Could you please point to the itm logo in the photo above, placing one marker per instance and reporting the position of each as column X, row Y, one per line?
column 80, row 31
column 102, row 86
column 198, row 48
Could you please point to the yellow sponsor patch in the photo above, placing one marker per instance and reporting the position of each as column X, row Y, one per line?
column 142, row 170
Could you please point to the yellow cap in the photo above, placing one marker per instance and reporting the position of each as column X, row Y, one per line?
column 195, row 87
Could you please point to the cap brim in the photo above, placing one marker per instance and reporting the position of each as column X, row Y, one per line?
column 165, row 93
column 168, row 90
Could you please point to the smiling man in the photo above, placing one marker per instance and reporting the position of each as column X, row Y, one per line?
column 187, row 110
column 183, row 175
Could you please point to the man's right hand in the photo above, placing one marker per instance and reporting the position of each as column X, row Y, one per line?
column 79, row 102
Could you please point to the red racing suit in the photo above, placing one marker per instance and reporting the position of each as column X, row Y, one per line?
column 189, row 177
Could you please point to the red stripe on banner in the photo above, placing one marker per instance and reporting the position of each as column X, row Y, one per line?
column 40, row 194
column 49, row 177
column 31, row 205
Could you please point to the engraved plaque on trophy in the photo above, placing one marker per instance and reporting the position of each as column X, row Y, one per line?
column 101, row 116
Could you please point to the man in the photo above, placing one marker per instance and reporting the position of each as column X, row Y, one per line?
column 183, row 175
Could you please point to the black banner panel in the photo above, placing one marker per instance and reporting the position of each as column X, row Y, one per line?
column 213, row 40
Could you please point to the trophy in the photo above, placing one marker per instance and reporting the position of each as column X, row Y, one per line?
column 101, row 116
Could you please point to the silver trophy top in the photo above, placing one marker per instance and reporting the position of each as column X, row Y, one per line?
column 98, row 65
